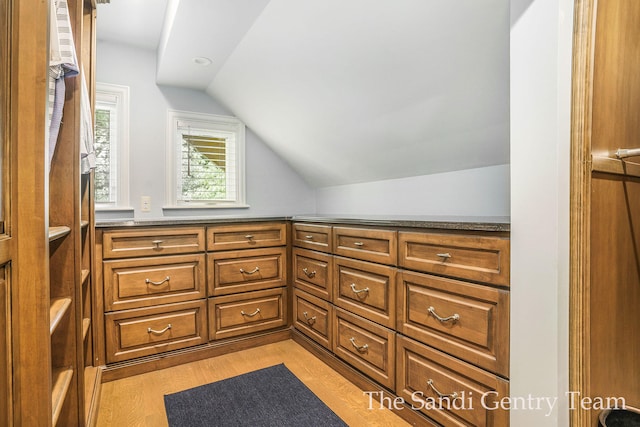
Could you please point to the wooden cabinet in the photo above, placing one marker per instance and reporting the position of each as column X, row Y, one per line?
column 180, row 287
column 153, row 290
column 152, row 330
column 448, row 390
column 422, row 313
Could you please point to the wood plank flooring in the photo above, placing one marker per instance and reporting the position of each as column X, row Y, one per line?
column 138, row 401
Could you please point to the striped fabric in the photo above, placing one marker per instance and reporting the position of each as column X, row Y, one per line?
column 62, row 63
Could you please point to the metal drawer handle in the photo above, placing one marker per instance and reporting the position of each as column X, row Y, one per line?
column 157, row 243
column 358, row 243
column 310, row 320
column 309, row 275
column 453, row 318
column 249, row 236
column 453, row 395
column 151, row 331
column 255, row 270
column 361, row 349
column 309, row 237
column 356, row 291
column 151, row 282
column 250, row 314
column 445, row 255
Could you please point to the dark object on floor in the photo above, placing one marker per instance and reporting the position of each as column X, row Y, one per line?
column 619, row 418
column 268, row 397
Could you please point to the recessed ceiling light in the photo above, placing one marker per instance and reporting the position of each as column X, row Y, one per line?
column 201, row 60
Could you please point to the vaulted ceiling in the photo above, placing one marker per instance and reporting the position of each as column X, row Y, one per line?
column 344, row 90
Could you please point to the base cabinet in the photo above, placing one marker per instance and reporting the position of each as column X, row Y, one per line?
column 424, row 314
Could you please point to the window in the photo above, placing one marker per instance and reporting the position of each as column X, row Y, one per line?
column 205, row 160
column 111, row 175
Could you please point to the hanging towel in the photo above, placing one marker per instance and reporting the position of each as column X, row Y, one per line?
column 87, row 154
column 62, row 63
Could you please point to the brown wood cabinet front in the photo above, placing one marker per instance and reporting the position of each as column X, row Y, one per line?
column 466, row 320
column 246, row 236
column 448, row 390
column 247, row 270
column 313, row 236
column 367, row 244
column 478, row 258
column 366, row 346
column 241, row 314
column 152, row 330
column 314, row 317
column 152, row 242
column 366, row 289
column 312, row 272
column 143, row 282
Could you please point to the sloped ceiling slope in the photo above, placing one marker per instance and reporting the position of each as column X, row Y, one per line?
column 360, row 90
column 345, row 91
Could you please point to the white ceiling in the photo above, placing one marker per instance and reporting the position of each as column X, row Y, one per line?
column 344, row 90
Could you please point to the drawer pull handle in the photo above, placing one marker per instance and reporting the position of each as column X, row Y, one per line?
column 151, row 331
column 445, row 256
column 255, row 270
column 453, row 318
column 309, row 275
column 358, row 291
column 362, row 348
column 358, row 243
column 309, row 237
column 250, row 314
column 310, row 320
column 151, row 282
column 453, row 395
column 157, row 243
column 249, row 236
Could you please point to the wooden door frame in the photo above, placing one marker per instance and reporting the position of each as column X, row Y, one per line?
column 580, row 212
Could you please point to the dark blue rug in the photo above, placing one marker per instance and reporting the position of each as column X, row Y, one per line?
column 268, row 397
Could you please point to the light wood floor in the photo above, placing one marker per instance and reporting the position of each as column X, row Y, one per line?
column 138, row 401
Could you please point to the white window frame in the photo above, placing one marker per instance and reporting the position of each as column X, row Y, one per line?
column 108, row 92
column 173, row 148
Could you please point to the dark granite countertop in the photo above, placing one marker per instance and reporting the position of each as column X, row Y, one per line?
column 443, row 222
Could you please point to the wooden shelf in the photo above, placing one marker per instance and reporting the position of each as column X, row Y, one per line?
column 86, row 323
column 615, row 166
column 61, row 382
column 58, row 232
column 84, row 224
column 58, row 308
column 85, row 276
column 92, row 380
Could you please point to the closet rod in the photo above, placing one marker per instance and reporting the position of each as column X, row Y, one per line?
column 627, row 152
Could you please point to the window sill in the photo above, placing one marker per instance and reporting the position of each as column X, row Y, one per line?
column 114, row 209
column 190, row 207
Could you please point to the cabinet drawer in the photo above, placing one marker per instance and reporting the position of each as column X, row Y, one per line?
column 248, row 270
column 145, row 331
column 152, row 241
column 465, row 320
column 142, row 282
column 366, row 289
column 424, row 374
column 366, row 244
column 312, row 236
column 312, row 272
column 312, row 316
column 366, row 346
column 234, row 315
column 245, row 236
column 478, row 258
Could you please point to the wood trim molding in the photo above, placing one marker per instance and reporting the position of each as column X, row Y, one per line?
column 579, row 281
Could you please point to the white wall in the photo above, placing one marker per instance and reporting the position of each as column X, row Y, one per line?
column 471, row 192
column 541, row 34
column 273, row 188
